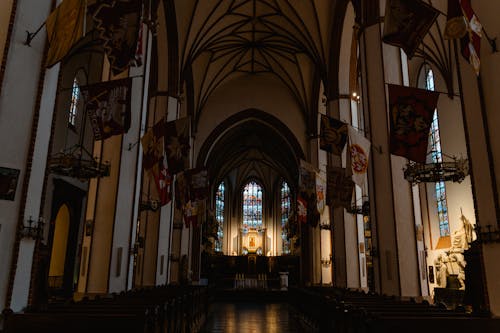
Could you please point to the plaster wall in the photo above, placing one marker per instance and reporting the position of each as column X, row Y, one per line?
column 264, row 93
column 17, row 107
column 5, row 12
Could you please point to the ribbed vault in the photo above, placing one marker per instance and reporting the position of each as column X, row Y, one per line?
column 221, row 40
column 251, row 147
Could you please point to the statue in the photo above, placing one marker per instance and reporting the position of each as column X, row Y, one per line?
column 462, row 237
column 457, row 260
column 452, row 262
column 441, row 270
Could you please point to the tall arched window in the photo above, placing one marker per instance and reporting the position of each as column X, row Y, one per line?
column 285, row 212
column 75, row 98
column 219, row 215
column 252, row 205
column 436, row 156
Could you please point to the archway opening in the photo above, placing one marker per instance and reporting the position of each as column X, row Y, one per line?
column 59, row 248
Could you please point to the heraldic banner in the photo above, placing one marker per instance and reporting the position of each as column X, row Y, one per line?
column 154, row 160
column 411, row 112
column 191, row 193
column 463, row 23
column 307, row 191
column 407, row 22
column 177, row 144
column 333, row 135
column 108, row 107
column 64, row 28
column 339, row 187
column 118, row 23
column 359, row 153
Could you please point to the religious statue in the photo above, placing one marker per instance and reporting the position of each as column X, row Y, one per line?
column 452, row 262
column 462, row 237
column 441, row 270
column 457, row 262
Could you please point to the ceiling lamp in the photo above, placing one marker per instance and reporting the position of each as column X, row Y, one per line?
column 454, row 171
column 77, row 162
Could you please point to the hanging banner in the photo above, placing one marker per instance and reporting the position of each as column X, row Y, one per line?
column 339, row 187
column 411, row 113
column 359, row 150
column 307, row 191
column 333, row 135
column 301, row 210
column 108, row 107
column 154, row 161
column 407, row 22
column 320, row 192
column 191, row 192
column 64, row 28
column 462, row 23
column 118, row 23
column 177, row 144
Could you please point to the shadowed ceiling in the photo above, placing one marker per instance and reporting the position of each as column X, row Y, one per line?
column 221, row 40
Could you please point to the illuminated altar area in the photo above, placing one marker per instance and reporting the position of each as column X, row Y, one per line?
column 252, row 241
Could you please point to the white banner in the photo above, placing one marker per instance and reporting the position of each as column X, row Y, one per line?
column 359, row 150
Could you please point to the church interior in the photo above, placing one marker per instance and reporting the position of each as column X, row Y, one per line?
column 206, row 166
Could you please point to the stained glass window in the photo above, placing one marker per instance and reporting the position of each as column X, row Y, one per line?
column 436, row 156
column 75, row 98
column 285, row 212
column 219, row 215
column 252, row 205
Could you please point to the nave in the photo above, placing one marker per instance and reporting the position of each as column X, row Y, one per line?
column 343, row 144
column 250, row 316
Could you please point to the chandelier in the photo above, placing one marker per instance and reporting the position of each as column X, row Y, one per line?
column 363, row 209
column 77, row 162
column 454, row 170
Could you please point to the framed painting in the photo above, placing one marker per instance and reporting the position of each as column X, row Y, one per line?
column 8, row 183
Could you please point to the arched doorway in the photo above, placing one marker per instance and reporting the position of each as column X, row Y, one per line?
column 63, row 262
column 59, row 248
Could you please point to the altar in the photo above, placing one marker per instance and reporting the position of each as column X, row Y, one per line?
column 252, row 241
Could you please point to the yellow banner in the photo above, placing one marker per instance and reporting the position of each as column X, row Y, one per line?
column 64, row 29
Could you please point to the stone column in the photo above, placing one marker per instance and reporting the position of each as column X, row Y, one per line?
column 380, row 175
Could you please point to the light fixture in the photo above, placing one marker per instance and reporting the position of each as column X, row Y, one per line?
column 151, row 205
column 455, row 171
column 34, row 229
column 363, row 209
column 78, row 163
column 89, row 226
column 327, row 261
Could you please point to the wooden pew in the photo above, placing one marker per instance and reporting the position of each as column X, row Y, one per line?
column 162, row 309
column 347, row 311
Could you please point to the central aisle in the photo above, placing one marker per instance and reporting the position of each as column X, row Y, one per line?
column 250, row 317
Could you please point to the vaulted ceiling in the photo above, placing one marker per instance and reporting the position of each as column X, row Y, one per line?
column 221, row 40
column 252, row 147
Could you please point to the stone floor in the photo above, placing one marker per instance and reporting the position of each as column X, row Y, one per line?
column 250, row 317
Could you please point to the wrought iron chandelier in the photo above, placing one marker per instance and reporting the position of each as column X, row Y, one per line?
column 455, row 170
column 363, row 209
column 77, row 162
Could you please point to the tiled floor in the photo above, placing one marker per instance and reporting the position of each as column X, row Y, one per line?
column 250, row 317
